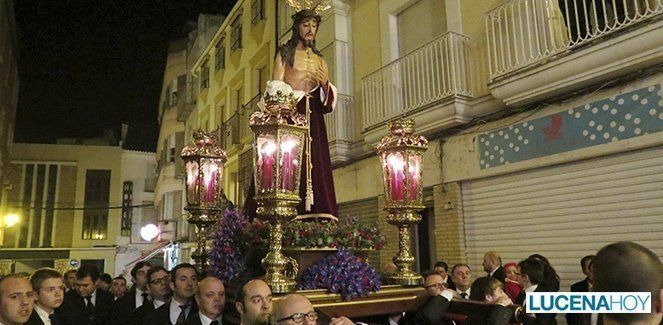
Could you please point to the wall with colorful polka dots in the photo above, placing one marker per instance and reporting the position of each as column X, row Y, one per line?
column 628, row 115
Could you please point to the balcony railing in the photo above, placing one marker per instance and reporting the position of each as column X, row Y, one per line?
column 231, row 131
column 244, row 114
column 435, row 71
column 525, row 32
column 341, row 124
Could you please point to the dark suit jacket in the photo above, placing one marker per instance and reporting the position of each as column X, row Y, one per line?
column 499, row 274
column 74, row 312
column 541, row 319
column 499, row 315
column 137, row 317
column 36, row 320
column 579, row 319
column 123, row 306
column 161, row 315
column 432, row 312
column 580, row 286
column 193, row 320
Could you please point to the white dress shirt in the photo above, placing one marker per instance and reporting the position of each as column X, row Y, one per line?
column 206, row 320
column 460, row 292
column 139, row 297
column 175, row 310
column 93, row 298
column 43, row 315
column 157, row 303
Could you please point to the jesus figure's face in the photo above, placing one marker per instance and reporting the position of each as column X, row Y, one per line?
column 307, row 31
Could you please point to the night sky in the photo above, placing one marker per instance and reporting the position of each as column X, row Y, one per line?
column 86, row 66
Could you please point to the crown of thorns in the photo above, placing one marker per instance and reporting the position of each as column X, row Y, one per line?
column 318, row 6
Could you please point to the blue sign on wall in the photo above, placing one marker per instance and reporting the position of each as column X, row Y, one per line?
column 612, row 119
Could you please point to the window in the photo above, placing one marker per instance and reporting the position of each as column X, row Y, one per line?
column 236, row 33
column 257, row 11
column 220, row 58
column 170, row 149
column 172, row 92
column 204, row 76
column 97, row 193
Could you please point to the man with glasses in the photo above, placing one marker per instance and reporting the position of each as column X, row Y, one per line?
column 297, row 309
column 158, row 280
column 48, row 286
column 136, row 297
column 181, row 306
column 433, row 311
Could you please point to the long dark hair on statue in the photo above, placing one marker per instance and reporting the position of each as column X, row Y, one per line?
column 287, row 50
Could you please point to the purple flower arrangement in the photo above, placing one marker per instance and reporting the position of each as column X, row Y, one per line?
column 342, row 273
column 227, row 258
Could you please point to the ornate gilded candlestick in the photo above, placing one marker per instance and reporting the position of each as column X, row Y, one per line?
column 278, row 142
column 401, row 155
column 204, row 160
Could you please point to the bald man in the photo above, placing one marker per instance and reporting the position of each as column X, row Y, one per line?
column 297, row 309
column 492, row 264
column 254, row 302
column 211, row 299
column 16, row 299
column 629, row 267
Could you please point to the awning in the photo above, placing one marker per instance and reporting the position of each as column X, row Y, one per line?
column 158, row 247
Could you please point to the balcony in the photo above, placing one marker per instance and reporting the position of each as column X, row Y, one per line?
column 543, row 48
column 342, row 129
column 430, row 84
column 230, row 133
column 245, row 133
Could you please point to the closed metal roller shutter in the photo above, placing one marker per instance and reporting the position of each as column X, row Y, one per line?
column 566, row 212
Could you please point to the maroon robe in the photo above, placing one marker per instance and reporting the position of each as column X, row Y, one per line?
column 324, row 197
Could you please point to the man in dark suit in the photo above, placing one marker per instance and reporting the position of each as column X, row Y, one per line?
column 529, row 277
column 181, row 306
column 136, row 297
column 434, row 309
column 492, row 263
column 86, row 304
column 48, row 286
column 157, row 285
column 581, row 286
column 442, row 268
column 211, row 299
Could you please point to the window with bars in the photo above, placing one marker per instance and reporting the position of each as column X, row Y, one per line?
column 257, row 11
column 204, row 76
column 97, row 194
column 236, row 33
column 220, row 56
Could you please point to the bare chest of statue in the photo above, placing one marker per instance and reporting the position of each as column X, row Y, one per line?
column 302, row 75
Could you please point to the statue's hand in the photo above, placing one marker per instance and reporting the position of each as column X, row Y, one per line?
column 322, row 74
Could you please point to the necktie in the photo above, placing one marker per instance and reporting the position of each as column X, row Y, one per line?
column 182, row 316
column 53, row 320
column 463, row 295
column 214, row 322
column 89, row 307
column 144, row 294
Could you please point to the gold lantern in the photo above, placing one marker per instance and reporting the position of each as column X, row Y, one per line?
column 203, row 162
column 278, row 145
column 401, row 156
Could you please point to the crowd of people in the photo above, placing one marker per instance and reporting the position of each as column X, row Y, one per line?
column 183, row 296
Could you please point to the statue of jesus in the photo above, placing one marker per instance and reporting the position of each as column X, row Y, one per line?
column 300, row 64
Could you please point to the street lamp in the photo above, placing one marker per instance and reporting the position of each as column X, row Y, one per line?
column 9, row 220
column 401, row 156
column 203, row 162
column 149, row 232
column 278, row 145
